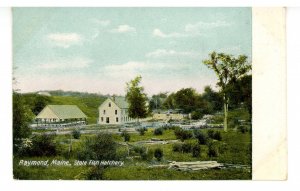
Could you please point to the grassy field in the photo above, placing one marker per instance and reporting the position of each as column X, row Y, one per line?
column 236, row 149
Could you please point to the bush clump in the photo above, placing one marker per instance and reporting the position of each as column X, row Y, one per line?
column 213, row 149
column 210, row 133
column 243, row 129
column 187, row 147
column 196, row 115
column 214, row 135
column 218, row 136
column 183, row 134
column 101, row 147
column 126, row 136
column 201, row 137
column 177, row 147
column 76, row 134
column 142, row 130
column 41, row 145
column 196, row 150
column 158, row 154
column 158, row 131
column 95, row 173
column 142, row 151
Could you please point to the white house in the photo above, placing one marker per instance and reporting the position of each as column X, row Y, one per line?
column 114, row 110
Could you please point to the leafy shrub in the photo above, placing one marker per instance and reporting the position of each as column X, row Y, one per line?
column 42, row 145
column 242, row 129
column 196, row 150
column 196, row 115
column 223, row 148
column 150, row 154
column 218, row 136
column 158, row 154
column 95, row 173
column 202, row 138
column 142, row 151
column 101, row 147
column 142, row 130
column 183, row 134
column 126, row 136
column 233, row 122
column 210, row 133
column 76, row 133
column 177, row 147
column 187, row 147
column 214, row 135
column 213, row 149
column 158, row 131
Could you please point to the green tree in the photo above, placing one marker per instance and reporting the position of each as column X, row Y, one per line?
column 22, row 117
column 212, row 99
column 156, row 101
column 137, row 99
column 39, row 103
column 228, row 69
column 241, row 93
column 169, row 102
column 187, row 99
column 36, row 102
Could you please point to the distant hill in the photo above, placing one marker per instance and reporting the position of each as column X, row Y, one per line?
column 89, row 105
column 87, row 102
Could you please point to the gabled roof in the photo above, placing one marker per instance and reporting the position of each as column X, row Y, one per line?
column 120, row 102
column 61, row 112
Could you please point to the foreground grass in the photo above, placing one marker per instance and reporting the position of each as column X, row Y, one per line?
column 144, row 173
column 137, row 171
column 235, row 149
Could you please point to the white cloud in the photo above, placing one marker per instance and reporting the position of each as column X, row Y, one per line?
column 159, row 33
column 197, row 27
column 103, row 23
column 73, row 63
column 64, row 40
column 124, row 29
column 191, row 29
column 163, row 52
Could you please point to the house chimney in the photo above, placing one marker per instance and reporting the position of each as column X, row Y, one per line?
column 113, row 97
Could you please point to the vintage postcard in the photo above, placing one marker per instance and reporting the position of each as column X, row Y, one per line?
column 145, row 94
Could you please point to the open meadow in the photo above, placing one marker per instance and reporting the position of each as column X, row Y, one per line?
column 140, row 163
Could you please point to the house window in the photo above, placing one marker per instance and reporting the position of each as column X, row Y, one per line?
column 116, row 112
column 109, row 104
column 107, row 120
column 103, row 112
column 101, row 119
column 117, row 119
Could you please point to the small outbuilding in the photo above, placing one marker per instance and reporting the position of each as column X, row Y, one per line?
column 60, row 116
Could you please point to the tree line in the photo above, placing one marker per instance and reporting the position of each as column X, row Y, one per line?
column 234, row 83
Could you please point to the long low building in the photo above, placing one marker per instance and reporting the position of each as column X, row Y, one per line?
column 60, row 116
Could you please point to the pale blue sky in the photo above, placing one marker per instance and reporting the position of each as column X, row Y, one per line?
column 100, row 49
